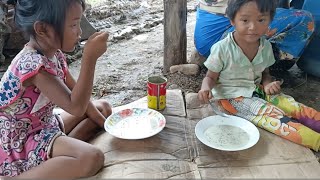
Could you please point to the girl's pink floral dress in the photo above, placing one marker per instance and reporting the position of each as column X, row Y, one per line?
column 28, row 126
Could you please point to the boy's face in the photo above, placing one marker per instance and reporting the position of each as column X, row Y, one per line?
column 72, row 30
column 250, row 23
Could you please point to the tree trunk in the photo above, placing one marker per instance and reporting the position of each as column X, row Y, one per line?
column 175, row 38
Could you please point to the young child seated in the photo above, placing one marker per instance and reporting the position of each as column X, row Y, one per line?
column 35, row 143
column 238, row 77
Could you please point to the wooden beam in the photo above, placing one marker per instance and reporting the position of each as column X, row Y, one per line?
column 175, row 37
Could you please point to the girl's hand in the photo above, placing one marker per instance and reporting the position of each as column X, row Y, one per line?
column 273, row 88
column 204, row 95
column 96, row 45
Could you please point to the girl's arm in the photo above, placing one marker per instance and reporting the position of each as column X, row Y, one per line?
column 76, row 101
column 208, row 83
column 92, row 112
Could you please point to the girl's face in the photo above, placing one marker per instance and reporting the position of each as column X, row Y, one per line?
column 72, row 31
column 250, row 23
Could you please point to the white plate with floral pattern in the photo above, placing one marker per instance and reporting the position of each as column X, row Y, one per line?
column 229, row 133
column 135, row 123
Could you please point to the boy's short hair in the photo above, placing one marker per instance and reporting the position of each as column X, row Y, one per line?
column 263, row 6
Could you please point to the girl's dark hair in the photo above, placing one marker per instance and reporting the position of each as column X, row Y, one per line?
column 263, row 6
column 52, row 12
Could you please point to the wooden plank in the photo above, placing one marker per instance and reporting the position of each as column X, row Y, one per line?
column 270, row 150
column 176, row 153
column 150, row 169
column 175, row 37
column 302, row 170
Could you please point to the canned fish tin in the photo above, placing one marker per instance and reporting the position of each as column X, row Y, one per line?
column 157, row 92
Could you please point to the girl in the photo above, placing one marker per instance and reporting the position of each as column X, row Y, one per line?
column 33, row 141
column 238, row 77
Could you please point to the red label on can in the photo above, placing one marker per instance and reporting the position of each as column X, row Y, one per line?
column 157, row 92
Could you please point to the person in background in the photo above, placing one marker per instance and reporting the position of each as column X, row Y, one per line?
column 238, row 77
column 289, row 32
column 36, row 143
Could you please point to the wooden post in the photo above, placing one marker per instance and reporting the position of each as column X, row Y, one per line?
column 175, row 36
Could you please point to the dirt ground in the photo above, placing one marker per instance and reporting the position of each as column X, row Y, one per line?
column 135, row 51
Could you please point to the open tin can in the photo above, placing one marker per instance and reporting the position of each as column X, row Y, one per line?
column 157, row 92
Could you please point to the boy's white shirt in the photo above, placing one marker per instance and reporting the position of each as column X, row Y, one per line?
column 238, row 76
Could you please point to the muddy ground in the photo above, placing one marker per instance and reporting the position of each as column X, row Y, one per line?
column 135, row 52
column 135, row 49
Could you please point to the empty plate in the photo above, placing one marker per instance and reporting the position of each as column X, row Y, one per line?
column 135, row 123
column 229, row 133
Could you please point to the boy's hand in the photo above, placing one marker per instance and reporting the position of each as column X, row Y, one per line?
column 204, row 95
column 207, row 84
column 96, row 45
column 273, row 88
